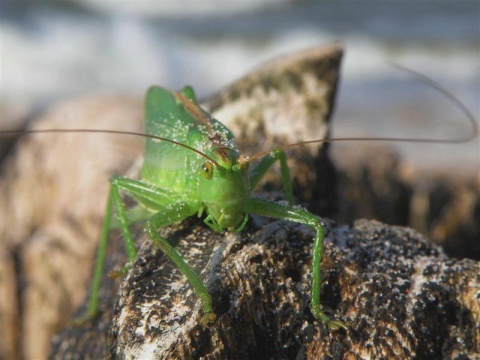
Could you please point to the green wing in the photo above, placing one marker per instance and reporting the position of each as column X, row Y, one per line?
column 177, row 116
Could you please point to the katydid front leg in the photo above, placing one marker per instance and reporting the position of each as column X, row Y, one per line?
column 274, row 210
column 270, row 209
column 114, row 202
column 171, row 215
column 267, row 161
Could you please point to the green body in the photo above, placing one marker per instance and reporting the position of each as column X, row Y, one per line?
column 179, row 170
column 196, row 169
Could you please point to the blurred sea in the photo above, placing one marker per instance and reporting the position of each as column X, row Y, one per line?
column 54, row 50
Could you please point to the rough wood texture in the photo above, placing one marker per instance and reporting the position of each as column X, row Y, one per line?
column 401, row 295
column 52, row 196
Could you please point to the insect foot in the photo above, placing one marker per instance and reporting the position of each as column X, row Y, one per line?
column 118, row 273
column 208, row 319
column 83, row 318
column 333, row 325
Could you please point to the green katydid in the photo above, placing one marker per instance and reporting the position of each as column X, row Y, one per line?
column 192, row 166
column 198, row 170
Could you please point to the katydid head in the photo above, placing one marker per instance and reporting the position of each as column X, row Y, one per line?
column 224, row 189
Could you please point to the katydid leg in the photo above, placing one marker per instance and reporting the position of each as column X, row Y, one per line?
column 114, row 201
column 267, row 161
column 270, row 209
column 150, row 196
column 101, row 253
column 122, row 217
column 170, row 215
column 171, row 212
column 139, row 190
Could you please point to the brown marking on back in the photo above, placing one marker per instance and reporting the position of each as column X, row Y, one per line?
column 216, row 139
column 203, row 119
column 196, row 112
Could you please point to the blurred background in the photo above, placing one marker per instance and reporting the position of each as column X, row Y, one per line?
column 53, row 50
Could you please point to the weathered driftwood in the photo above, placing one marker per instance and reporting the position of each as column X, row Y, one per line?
column 52, row 195
column 401, row 295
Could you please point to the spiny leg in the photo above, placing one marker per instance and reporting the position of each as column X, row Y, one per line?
column 267, row 161
column 139, row 190
column 172, row 212
column 274, row 210
column 170, row 215
column 97, row 272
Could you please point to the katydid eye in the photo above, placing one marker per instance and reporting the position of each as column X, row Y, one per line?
column 207, row 170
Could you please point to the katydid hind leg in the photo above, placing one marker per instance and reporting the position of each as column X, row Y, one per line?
column 114, row 202
column 92, row 308
column 274, row 210
column 139, row 190
column 142, row 192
